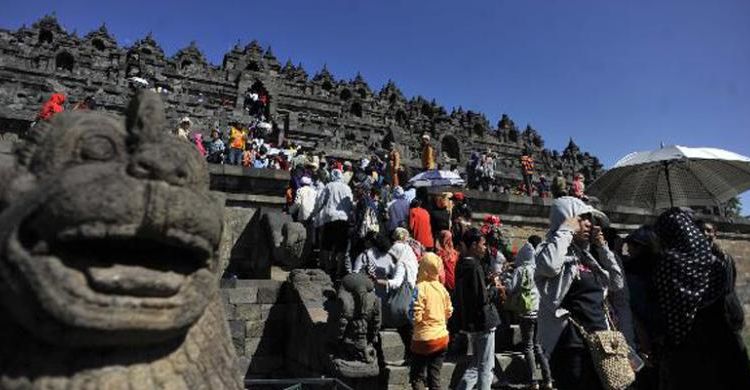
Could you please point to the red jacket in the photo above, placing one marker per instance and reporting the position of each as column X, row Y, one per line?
column 419, row 224
column 51, row 107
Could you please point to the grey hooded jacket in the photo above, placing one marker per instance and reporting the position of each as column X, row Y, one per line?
column 556, row 260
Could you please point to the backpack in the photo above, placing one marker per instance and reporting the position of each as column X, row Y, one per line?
column 523, row 300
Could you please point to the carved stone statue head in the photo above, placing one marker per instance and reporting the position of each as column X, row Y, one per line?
column 108, row 234
column 108, row 231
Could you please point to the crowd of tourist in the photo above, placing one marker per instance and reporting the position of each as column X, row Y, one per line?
column 666, row 290
column 656, row 308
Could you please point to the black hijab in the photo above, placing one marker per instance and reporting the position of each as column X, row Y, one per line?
column 688, row 275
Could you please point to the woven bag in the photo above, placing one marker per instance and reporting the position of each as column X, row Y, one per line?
column 609, row 351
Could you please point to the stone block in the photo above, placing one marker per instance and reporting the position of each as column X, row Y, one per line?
column 251, row 346
column 244, row 363
column 237, row 329
column 510, row 368
column 269, row 291
column 229, row 310
column 393, row 347
column 237, row 332
column 397, row 375
column 248, row 312
column 227, row 283
column 241, row 283
column 243, row 295
column 255, row 328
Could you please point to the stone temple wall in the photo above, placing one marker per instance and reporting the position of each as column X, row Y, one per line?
column 345, row 118
column 257, row 314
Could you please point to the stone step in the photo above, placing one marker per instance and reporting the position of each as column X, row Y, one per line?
column 510, row 368
column 398, row 376
column 393, row 347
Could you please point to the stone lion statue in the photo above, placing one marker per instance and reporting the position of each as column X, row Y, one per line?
column 108, row 236
column 353, row 326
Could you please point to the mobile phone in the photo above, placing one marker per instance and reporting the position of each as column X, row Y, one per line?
column 635, row 361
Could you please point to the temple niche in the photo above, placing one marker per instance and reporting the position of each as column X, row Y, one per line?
column 64, row 62
column 44, row 58
column 450, row 148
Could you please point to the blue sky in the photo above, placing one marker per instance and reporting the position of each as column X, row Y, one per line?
column 617, row 76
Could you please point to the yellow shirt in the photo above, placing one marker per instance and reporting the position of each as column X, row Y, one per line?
column 432, row 308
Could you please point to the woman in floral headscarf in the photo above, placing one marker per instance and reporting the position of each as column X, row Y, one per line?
column 701, row 350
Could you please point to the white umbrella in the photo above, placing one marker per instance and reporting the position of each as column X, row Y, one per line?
column 674, row 176
column 141, row 82
column 435, row 178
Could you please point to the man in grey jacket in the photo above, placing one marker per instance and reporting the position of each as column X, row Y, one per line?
column 572, row 283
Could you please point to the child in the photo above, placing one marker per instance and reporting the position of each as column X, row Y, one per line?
column 431, row 310
column 524, row 300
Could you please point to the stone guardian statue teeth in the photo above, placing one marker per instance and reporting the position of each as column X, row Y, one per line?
column 108, row 268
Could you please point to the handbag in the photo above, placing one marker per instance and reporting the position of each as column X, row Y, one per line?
column 396, row 313
column 610, row 353
column 398, row 303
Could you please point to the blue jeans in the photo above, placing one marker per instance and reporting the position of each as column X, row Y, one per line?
column 235, row 156
column 479, row 372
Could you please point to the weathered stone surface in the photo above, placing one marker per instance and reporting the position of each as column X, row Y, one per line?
column 268, row 291
column 108, row 262
column 257, row 328
column 237, row 332
column 345, row 118
column 243, row 295
column 236, row 220
column 353, row 325
column 248, row 312
column 393, row 347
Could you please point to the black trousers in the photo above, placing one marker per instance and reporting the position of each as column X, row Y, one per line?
column 432, row 364
column 573, row 369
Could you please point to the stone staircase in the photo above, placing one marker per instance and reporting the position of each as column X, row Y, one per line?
column 510, row 367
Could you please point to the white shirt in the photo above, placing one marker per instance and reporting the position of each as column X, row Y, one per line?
column 304, row 202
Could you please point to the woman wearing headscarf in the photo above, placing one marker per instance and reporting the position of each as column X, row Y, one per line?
column 701, row 350
column 449, row 257
column 573, row 284
column 404, row 270
column 431, row 310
